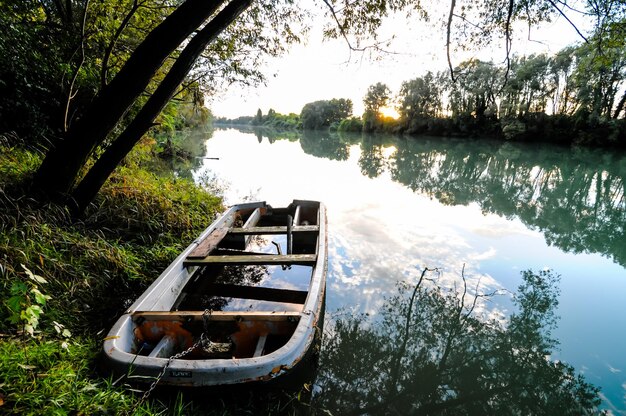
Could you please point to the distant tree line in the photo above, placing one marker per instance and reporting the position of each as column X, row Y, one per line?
column 272, row 119
column 323, row 114
column 577, row 95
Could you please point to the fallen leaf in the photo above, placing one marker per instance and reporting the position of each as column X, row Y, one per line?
column 111, row 337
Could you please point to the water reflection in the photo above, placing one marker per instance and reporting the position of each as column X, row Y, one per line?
column 199, row 297
column 396, row 205
column 325, row 145
column 429, row 353
column 183, row 151
column 574, row 197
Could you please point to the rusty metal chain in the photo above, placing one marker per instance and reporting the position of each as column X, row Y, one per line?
column 205, row 320
column 202, row 341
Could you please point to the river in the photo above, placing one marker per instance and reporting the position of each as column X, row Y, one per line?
column 477, row 209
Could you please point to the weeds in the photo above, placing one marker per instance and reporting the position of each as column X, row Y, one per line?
column 64, row 281
column 42, row 377
column 26, row 303
column 79, row 276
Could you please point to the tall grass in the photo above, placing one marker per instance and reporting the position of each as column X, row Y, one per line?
column 93, row 269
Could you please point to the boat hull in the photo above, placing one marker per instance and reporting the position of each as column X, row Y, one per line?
column 155, row 321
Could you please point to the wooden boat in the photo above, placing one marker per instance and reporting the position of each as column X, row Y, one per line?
column 233, row 307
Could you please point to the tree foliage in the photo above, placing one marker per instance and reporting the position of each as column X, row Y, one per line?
column 430, row 352
column 376, row 97
column 323, row 113
column 87, row 79
column 420, row 97
column 110, row 68
column 577, row 95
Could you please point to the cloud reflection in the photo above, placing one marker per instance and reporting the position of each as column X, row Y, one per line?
column 447, row 204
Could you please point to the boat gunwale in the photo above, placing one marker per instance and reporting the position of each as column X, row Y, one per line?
column 223, row 371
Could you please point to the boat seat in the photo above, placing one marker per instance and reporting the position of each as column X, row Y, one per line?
column 274, row 230
column 215, row 315
column 208, row 244
column 285, row 259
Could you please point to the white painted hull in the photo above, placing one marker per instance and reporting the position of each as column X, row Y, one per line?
column 157, row 302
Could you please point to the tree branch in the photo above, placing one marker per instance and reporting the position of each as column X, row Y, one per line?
column 116, row 36
column 448, row 31
column 466, row 20
column 508, row 43
column 100, row 171
column 344, row 35
column 71, row 94
column 568, row 20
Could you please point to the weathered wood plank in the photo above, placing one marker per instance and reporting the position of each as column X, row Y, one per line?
column 212, row 240
column 216, row 316
column 208, row 244
column 253, row 221
column 232, row 252
column 164, row 349
column 260, row 346
column 296, row 216
column 302, row 259
column 275, row 230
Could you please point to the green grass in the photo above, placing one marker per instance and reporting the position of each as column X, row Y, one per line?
column 93, row 269
column 136, row 226
column 42, row 377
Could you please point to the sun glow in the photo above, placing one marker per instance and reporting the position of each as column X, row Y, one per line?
column 390, row 112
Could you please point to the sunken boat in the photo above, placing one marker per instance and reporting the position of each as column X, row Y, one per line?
column 243, row 303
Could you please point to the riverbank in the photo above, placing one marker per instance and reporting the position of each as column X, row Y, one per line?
column 64, row 282
column 530, row 128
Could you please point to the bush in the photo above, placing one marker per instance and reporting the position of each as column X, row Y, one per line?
column 352, row 124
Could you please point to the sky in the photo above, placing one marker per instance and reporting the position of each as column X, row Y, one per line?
column 322, row 70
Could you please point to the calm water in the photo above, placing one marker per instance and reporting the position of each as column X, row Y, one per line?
column 489, row 209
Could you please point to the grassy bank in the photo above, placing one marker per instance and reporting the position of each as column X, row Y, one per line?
column 63, row 282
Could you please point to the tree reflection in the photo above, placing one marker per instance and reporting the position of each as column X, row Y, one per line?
column 198, row 296
column 184, row 151
column 575, row 197
column 273, row 135
column 372, row 160
column 430, row 353
column 324, row 144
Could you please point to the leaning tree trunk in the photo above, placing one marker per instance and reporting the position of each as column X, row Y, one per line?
column 62, row 164
column 113, row 155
